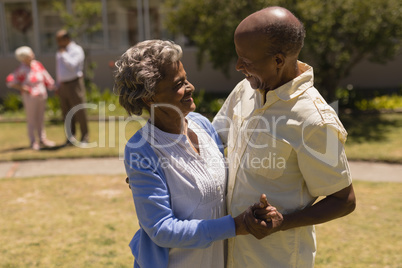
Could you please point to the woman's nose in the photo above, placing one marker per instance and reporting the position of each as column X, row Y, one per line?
column 189, row 86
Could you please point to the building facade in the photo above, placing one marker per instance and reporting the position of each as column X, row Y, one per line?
column 123, row 24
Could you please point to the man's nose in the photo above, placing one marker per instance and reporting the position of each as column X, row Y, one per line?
column 239, row 65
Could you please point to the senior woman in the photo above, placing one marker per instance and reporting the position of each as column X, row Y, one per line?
column 175, row 167
column 32, row 79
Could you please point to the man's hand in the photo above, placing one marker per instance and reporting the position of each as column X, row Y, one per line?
column 263, row 219
column 241, row 227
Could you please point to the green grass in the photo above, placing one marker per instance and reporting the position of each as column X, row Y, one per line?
column 75, row 221
column 374, row 137
column 107, row 139
column 88, row 221
column 370, row 236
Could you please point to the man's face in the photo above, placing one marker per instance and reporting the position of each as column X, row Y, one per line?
column 62, row 42
column 254, row 62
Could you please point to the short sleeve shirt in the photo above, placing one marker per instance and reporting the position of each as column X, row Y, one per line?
column 292, row 149
column 35, row 77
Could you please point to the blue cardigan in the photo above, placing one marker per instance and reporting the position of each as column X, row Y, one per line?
column 159, row 228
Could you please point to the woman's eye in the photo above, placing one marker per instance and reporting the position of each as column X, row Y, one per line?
column 179, row 85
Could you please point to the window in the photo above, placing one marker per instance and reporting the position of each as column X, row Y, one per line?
column 49, row 23
column 128, row 22
column 122, row 23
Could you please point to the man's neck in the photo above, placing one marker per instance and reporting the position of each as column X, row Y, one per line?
column 291, row 73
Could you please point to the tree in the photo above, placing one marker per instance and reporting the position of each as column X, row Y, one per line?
column 84, row 19
column 339, row 33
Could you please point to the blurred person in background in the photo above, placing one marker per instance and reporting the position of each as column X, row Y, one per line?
column 71, row 88
column 32, row 79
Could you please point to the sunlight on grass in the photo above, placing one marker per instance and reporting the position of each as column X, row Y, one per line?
column 371, row 138
column 75, row 221
column 107, row 138
column 88, row 221
column 374, row 137
column 370, row 236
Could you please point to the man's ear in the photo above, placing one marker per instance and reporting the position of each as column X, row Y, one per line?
column 280, row 60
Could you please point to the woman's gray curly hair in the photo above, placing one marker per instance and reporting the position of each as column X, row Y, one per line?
column 140, row 69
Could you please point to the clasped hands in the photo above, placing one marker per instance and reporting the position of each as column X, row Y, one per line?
column 260, row 220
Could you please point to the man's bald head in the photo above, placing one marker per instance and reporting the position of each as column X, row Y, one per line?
column 277, row 27
column 62, row 34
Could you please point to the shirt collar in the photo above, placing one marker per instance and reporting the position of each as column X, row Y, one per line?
column 71, row 44
column 298, row 85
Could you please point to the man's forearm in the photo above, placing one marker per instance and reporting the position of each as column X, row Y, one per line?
column 327, row 209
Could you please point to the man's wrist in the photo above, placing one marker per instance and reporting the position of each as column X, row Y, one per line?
column 286, row 222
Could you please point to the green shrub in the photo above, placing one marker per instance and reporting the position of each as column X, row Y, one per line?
column 53, row 107
column 11, row 103
column 208, row 103
column 369, row 99
column 384, row 102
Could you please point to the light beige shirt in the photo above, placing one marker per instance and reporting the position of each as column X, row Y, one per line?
column 292, row 149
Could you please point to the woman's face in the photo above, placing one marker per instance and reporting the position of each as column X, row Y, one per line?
column 173, row 93
column 28, row 59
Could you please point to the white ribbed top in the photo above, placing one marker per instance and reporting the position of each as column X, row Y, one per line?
column 197, row 187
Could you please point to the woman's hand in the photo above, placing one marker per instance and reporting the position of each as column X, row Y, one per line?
column 25, row 88
column 21, row 88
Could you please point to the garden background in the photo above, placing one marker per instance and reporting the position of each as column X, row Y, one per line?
column 88, row 220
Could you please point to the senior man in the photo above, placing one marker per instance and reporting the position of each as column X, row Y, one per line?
column 283, row 140
column 69, row 72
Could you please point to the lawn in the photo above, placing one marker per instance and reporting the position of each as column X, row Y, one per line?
column 88, row 221
column 76, row 221
column 107, row 138
column 374, row 137
column 370, row 236
column 371, row 138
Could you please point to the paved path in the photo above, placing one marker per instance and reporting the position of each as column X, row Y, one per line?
column 23, row 169
column 113, row 166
